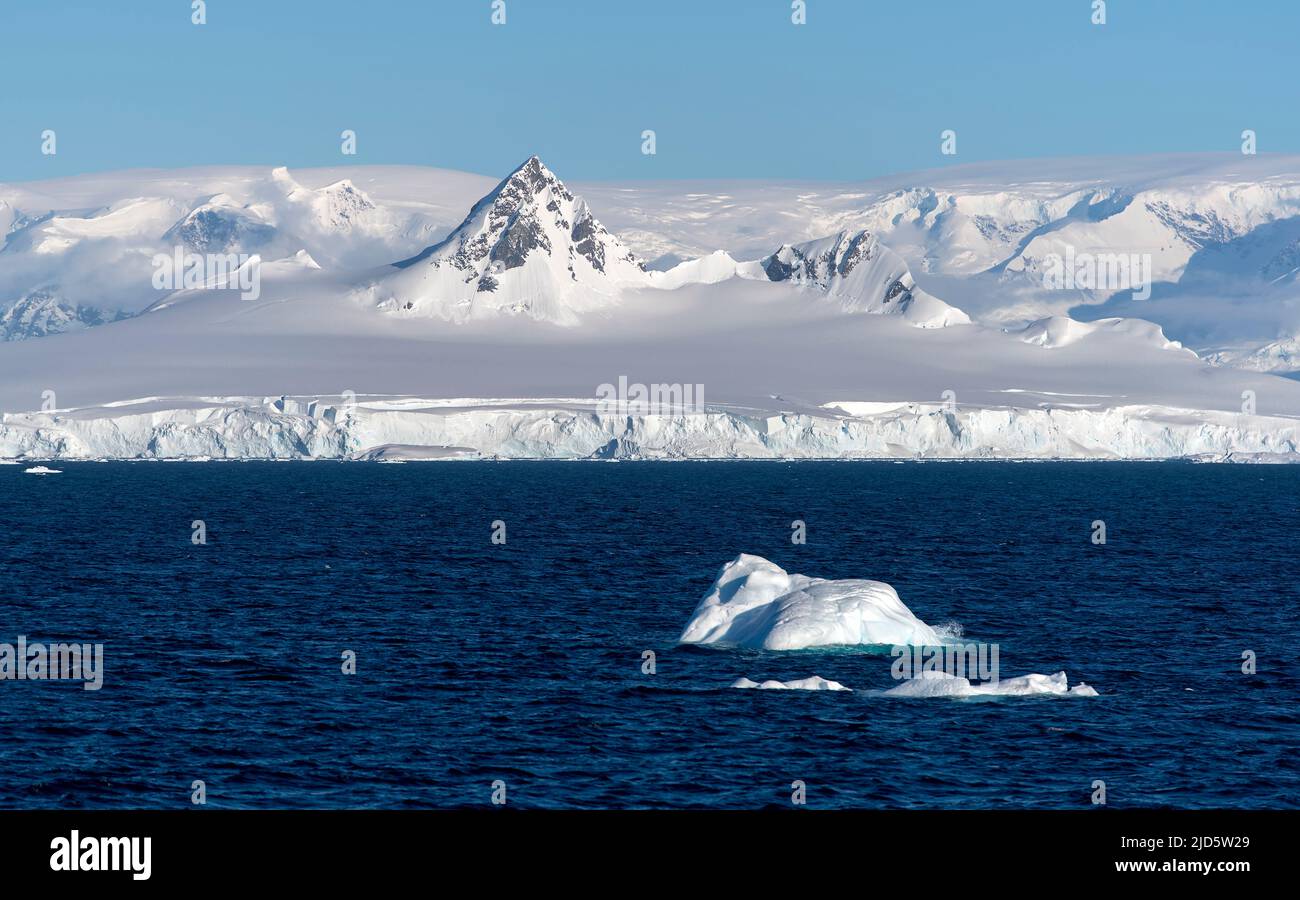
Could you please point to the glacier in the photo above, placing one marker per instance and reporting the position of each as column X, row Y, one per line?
column 411, row 428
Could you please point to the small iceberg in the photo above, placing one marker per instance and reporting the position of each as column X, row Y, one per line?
column 42, row 470
column 754, row 603
column 942, row 684
column 814, row 683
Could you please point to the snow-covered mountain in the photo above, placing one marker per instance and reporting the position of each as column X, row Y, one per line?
column 532, row 248
column 528, row 247
column 864, row 276
column 1219, row 230
column 221, row 224
column 79, row 252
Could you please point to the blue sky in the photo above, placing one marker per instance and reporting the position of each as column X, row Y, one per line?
column 731, row 87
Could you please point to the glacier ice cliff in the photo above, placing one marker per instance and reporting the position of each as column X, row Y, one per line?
column 326, row 428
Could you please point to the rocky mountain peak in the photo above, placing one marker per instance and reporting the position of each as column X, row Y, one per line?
column 530, row 245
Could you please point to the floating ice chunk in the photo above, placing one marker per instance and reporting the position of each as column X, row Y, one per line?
column 815, row 683
column 42, row 470
column 755, row 603
column 942, row 684
column 932, row 684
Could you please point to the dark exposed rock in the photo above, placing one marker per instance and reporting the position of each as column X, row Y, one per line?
column 898, row 289
column 780, row 271
column 521, row 237
column 862, row 248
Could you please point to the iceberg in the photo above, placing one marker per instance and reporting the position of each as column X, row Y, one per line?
column 942, row 684
column 815, row 683
column 754, row 603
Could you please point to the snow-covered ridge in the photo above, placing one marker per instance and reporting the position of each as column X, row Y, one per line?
column 853, row 270
column 1062, row 331
column 330, row 428
column 864, row 276
column 1277, row 356
column 709, row 269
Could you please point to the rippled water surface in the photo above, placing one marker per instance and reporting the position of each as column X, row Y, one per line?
column 522, row 662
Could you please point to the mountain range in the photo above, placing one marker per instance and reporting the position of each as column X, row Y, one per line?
column 424, row 289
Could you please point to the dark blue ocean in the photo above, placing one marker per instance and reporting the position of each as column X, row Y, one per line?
column 522, row 662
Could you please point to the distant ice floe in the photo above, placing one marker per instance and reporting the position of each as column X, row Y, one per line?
column 755, row 603
column 942, row 684
column 42, row 470
column 815, row 683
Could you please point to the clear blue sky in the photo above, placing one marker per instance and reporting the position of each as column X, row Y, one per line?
column 731, row 87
